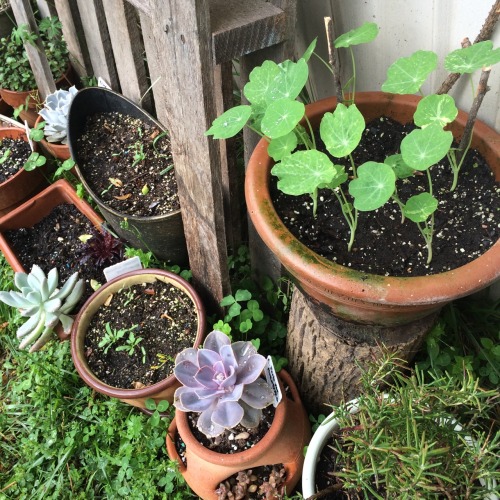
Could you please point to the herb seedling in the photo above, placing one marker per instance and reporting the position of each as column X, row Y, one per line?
column 35, row 160
column 275, row 113
column 112, row 336
column 139, row 155
column 131, row 343
column 5, row 156
column 36, row 133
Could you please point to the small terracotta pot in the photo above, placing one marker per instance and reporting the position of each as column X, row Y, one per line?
column 22, row 184
column 33, row 211
column 283, row 443
column 56, row 149
column 358, row 296
column 163, row 390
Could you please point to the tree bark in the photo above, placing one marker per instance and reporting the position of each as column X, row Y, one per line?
column 325, row 353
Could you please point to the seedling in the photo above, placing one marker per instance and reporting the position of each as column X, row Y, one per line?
column 112, row 336
column 130, row 345
column 138, row 150
column 275, row 113
column 5, row 156
column 35, row 160
column 36, row 133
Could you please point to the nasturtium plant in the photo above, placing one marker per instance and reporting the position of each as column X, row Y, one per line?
column 420, row 207
column 473, row 58
column 407, row 74
column 434, row 108
column 282, row 146
column 401, row 169
column 364, row 34
column 281, row 117
column 230, row 123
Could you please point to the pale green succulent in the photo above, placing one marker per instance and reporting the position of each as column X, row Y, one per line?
column 44, row 304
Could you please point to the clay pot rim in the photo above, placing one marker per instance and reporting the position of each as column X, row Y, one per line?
column 21, row 134
column 77, row 336
column 233, row 459
column 321, row 274
column 97, row 198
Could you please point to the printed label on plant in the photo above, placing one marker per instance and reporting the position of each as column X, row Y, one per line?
column 101, row 82
column 123, row 267
column 272, row 380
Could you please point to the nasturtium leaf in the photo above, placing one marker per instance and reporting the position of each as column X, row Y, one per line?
column 282, row 146
column 303, row 171
column 419, row 207
column 341, row 130
column 281, row 117
column 470, row 59
column 290, row 81
column 309, row 51
column 364, row 34
column 230, row 122
column 262, row 81
column 401, row 169
column 435, row 108
column 407, row 74
column 425, row 147
column 373, row 187
column 339, row 177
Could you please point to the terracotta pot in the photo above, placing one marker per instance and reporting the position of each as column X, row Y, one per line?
column 358, row 296
column 33, row 211
column 163, row 390
column 161, row 234
column 56, row 149
column 283, row 443
column 23, row 184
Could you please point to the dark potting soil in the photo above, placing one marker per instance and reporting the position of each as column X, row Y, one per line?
column 13, row 156
column 467, row 221
column 127, row 162
column 161, row 315
column 54, row 242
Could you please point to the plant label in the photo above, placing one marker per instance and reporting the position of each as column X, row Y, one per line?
column 101, row 82
column 272, row 380
column 123, row 267
column 27, row 128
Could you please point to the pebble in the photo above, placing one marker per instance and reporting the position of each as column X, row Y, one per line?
column 242, row 435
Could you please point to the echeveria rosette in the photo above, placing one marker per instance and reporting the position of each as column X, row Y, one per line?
column 221, row 381
column 55, row 114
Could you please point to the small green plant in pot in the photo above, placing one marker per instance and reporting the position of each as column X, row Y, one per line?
column 409, row 435
column 275, row 113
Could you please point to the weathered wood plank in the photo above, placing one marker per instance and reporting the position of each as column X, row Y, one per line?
column 143, row 6
column 38, row 60
column 69, row 15
column 46, row 8
column 177, row 39
column 243, row 26
column 98, row 42
column 127, row 45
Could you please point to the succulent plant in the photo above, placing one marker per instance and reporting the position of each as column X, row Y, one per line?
column 55, row 114
column 44, row 304
column 102, row 248
column 222, row 382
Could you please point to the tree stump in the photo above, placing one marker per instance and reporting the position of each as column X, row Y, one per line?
column 325, row 353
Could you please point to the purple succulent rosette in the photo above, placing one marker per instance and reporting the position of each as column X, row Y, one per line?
column 222, row 382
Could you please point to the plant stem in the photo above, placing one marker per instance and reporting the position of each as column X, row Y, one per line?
column 353, row 93
column 395, row 197
column 305, row 139
column 257, row 132
column 430, row 181
column 354, row 172
column 333, row 59
column 352, row 220
column 311, row 132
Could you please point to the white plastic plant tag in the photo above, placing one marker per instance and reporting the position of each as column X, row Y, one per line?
column 272, row 380
column 27, row 128
column 101, row 82
column 123, row 267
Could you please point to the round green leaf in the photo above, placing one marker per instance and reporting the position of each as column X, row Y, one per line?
column 373, row 187
column 242, row 295
column 419, row 207
column 435, row 108
column 230, row 122
column 470, row 59
column 425, row 147
column 291, row 80
column 281, row 117
column 401, row 169
column 407, row 74
column 364, row 34
column 282, row 146
column 303, row 171
column 261, row 82
column 341, row 130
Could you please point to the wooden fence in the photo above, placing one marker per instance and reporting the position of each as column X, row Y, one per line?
column 183, row 51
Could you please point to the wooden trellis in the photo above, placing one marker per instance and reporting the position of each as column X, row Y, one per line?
column 187, row 47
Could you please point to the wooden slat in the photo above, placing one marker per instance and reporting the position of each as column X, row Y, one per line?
column 38, row 60
column 98, row 42
column 143, row 6
column 243, row 26
column 46, row 8
column 127, row 45
column 69, row 15
column 177, row 39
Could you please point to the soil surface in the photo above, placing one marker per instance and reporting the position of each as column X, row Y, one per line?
column 159, row 314
column 54, row 242
column 13, row 156
column 127, row 162
column 467, row 221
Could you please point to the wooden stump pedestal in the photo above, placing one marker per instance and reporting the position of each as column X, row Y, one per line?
column 325, row 352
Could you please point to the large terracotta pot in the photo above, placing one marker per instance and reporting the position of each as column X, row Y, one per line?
column 163, row 390
column 161, row 234
column 56, row 149
column 23, row 184
column 33, row 211
column 284, row 442
column 358, row 296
